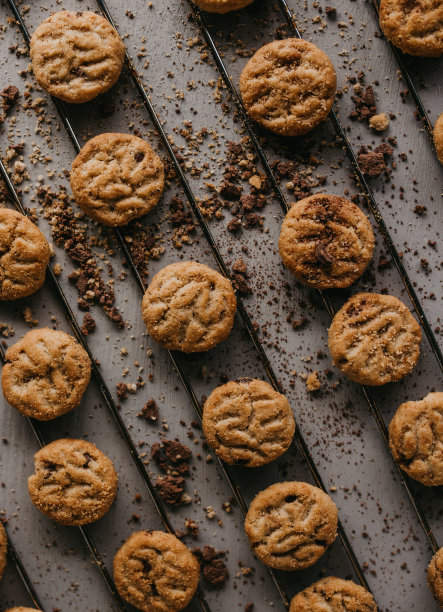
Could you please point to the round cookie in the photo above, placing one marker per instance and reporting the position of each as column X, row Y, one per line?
column 435, row 576
column 326, row 241
column 416, row 439
column 74, row 482
column 116, row 178
column 222, row 6
column 414, row 27
column 24, row 256
column 291, row 524
column 155, row 572
column 288, row 86
column 189, row 307
column 45, row 374
column 374, row 339
column 3, row 550
column 333, row 595
column 76, row 56
column 247, row 422
column 438, row 138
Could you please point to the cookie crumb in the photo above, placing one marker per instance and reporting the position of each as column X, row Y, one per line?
column 379, row 122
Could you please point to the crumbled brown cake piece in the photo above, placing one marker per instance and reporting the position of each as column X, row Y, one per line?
column 122, row 390
column 365, row 106
column 170, row 489
column 149, row 411
column 214, row 569
column 88, row 325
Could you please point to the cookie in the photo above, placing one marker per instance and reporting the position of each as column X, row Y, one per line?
column 416, row 439
column 222, row 6
column 74, row 482
column 247, row 422
column 24, row 256
column 116, row 178
column 45, row 374
column 154, row 571
column 3, row 549
column 326, row 241
column 288, row 86
column 435, row 576
column 374, row 339
column 333, row 595
column 189, row 307
column 291, row 524
column 76, row 56
column 438, row 138
column 415, row 27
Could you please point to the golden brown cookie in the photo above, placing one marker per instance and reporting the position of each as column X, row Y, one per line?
column 3, row 550
column 435, row 576
column 438, row 138
column 76, row 56
column 288, row 86
column 24, row 256
column 374, row 339
column 291, row 524
column 326, row 241
column 189, row 307
column 414, row 26
column 45, row 374
column 74, row 482
column 416, row 439
column 222, row 6
column 155, row 572
column 247, row 422
column 116, row 178
column 333, row 595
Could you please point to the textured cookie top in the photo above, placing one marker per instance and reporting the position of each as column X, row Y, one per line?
column 45, row 374
column 416, row 439
column 116, row 178
column 155, row 572
column 24, row 256
column 74, row 483
column 333, row 595
column 247, row 422
column 326, row 241
column 189, row 307
column 435, row 576
column 374, row 339
column 3, row 549
column 414, row 26
column 76, row 56
column 438, row 138
column 291, row 524
column 222, row 6
column 288, row 86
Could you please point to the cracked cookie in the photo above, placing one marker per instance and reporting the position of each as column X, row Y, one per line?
column 189, row 307
column 333, row 595
column 24, row 256
column 326, row 241
column 155, row 572
column 374, row 339
column 288, row 86
column 3, row 550
column 414, row 26
column 222, row 6
column 438, row 138
column 247, row 422
column 76, row 56
column 116, row 178
column 435, row 576
column 416, row 439
column 74, row 482
column 45, row 374
column 291, row 524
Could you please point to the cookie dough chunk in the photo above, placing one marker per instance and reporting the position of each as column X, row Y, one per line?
column 247, row 422
column 438, row 138
column 326, row 241
column 415, row 27
column 24, row 256
column 116, row 178
column 154, row 571
column 288, row 86
column 189, row 307
column 3, row 550
column 45, row 374
column 74, row 482
column 222, row 6
column 291, row 524
column 435, row 576
column 416, row 439
column 334, row 595
column 374, row 339
column 76, row 56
